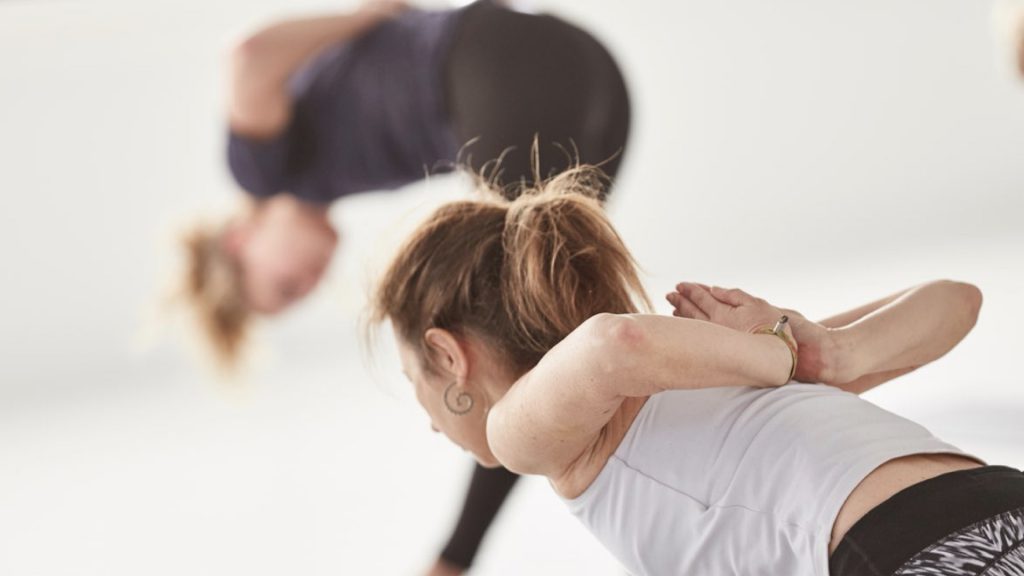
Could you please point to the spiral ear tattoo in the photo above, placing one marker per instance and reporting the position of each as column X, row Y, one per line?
column 463, row 401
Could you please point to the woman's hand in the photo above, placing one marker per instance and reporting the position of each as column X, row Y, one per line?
column 383, row 9
column 730, row 308
column 817, row 351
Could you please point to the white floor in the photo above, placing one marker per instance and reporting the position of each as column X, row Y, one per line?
column 817, row 153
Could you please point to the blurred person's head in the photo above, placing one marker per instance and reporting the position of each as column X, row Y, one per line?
column 282, row 247
column 483, row 289
column 258, row 262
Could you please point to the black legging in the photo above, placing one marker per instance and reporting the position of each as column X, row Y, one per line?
column 487, row 492
column 512, row 76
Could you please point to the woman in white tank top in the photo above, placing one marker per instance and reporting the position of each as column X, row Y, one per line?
column 705, row 444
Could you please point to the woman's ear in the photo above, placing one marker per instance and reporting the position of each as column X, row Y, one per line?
column 449, row 352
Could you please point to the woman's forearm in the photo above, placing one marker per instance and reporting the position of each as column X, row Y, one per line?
column 851, row 316
column 913, row 329
column 651, row 353
column 272, row 54
column 555, row 411
column 259, row 103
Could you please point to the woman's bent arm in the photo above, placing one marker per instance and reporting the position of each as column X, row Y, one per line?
column 917, row 327
column 851, row 316
column 556, row 411
column 259, row 102
column 864, row 347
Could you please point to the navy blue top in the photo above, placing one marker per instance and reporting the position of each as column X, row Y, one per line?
column 368, row 115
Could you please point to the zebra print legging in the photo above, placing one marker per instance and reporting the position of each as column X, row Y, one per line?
column 992, row 547
column 966, row 523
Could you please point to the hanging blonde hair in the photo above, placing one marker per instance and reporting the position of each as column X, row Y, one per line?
column 212, row 290
column 521, row 274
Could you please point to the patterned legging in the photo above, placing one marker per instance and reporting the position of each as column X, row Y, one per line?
column 992, row 547
column 965, row 523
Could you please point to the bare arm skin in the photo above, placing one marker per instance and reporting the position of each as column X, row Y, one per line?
column 557, row 411
column 904, row 333
column 851, row 316
column 869, row 345
column 259, row 104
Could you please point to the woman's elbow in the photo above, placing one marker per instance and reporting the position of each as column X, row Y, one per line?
column 615, row 340
column 973, row 297
column 968, row 299
column 245, row 53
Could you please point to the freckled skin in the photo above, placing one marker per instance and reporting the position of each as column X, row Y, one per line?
column 468, row 431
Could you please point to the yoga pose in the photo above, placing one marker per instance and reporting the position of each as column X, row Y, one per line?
column 727, row 441
column 321, row 108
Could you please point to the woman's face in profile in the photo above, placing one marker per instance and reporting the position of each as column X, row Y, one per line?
column 282, row 260
column 467, row 430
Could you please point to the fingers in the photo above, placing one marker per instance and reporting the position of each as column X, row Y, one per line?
column 732, row 297
column 707, row 298
column 694, row 300
column 682, row 286
column 701, row 297
column 684, row 308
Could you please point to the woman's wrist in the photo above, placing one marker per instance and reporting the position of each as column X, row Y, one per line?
column 782, row 331
column 840, row 360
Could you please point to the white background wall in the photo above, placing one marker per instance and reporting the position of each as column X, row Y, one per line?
column 819, row 153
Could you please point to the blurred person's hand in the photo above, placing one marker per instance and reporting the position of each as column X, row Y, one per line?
column 383, row 9
column 442, row 568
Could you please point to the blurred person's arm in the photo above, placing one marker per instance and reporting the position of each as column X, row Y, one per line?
column 259, row 102
column 488, row 489
column 443, row 568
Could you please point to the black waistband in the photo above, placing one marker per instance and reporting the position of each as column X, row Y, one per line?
column 891, row 533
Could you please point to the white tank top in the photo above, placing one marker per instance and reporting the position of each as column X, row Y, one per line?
column 740, row 481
